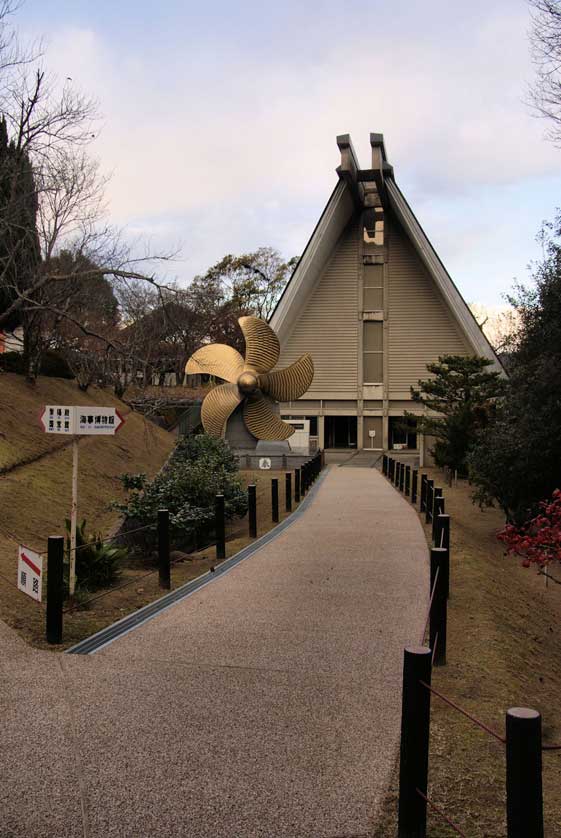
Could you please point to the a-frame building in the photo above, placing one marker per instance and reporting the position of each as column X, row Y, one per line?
column 373, row 304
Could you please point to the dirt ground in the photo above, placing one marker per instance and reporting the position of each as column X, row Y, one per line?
column 504, row 650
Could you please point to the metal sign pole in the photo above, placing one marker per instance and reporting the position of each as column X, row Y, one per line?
column 73, row 518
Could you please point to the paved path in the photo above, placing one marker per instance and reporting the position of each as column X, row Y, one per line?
column 266, row 704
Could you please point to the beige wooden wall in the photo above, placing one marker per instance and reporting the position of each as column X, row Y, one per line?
column 420, row 326
column 327, row 327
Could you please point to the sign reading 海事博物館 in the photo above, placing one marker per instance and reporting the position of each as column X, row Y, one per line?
column 81, row 420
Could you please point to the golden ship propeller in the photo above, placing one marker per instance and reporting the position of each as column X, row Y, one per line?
column 252, row 381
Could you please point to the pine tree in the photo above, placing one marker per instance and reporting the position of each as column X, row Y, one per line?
column 460, row 397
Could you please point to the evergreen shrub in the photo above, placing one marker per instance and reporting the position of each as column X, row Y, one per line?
column 200, row 468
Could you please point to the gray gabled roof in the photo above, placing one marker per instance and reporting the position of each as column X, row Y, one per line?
column 335, row 217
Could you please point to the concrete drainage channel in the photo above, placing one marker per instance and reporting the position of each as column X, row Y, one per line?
column 137, row 618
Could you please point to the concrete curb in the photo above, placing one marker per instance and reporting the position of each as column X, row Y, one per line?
column 132, row 621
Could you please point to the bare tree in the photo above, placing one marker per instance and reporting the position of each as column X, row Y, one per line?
column 545, row 41
column 52, row 200
column 498, row 323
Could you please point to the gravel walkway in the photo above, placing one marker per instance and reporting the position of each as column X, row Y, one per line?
column 265, row 704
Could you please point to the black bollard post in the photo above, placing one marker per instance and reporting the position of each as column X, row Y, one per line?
column 438, row 612
column 524, row 797
column 437, row 509
column 164, row 574
column 444, row 530
column 414, row 749
column 397, row 474
column 297, row 473
column 407, row 481
column 402, row 478
column 252, row 509
column 275, row 500
column 414, row 480
column 429, row 501
column 55, row 588
column 384, row 465
column 220, row 527
column 288, row 491
column 423, row 505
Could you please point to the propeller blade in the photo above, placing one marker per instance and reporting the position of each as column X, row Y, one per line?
column 262, row 422
column 262, row 348
column 217, row 407
column 289, row 384
column 216, row 359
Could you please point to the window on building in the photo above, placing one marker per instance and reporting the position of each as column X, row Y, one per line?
column 402, row 433
column 373, row 352
column 373, row 288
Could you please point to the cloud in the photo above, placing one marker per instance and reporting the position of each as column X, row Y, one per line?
column 231, row 139
column 189, row 132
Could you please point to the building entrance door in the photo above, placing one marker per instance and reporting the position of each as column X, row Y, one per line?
column 340, row 431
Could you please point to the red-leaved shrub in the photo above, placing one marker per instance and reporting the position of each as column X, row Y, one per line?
column 539, row 540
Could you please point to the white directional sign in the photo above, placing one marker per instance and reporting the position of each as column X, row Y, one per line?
column 74, row 421
column 82, row 420
column 30, row 571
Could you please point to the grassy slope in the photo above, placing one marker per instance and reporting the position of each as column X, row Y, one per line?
column 35, row 498
column 504, row 650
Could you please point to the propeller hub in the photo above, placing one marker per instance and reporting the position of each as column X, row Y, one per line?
column 247, row 383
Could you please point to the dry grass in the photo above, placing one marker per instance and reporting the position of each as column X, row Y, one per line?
column 503, row 651
column 35, row 499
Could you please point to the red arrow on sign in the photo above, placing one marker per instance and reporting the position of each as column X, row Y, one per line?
column 31, row 564
column 121, row 420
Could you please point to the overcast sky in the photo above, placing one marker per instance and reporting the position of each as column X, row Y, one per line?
column 219, row 120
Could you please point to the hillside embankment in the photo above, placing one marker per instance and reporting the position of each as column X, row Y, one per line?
column 36, row 471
